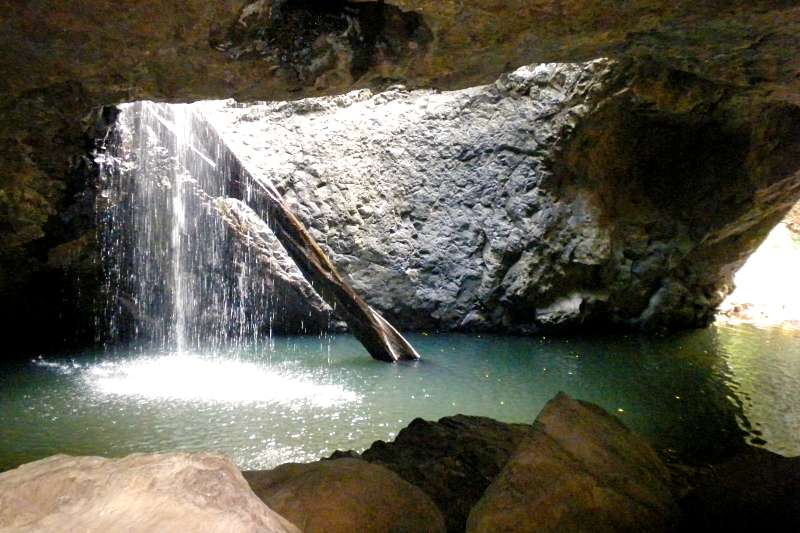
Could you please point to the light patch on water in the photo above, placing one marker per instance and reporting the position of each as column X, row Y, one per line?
column 194, row 378
column 699, row 394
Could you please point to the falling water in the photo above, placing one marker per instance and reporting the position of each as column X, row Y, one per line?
column 175, row 279
column 179, row 229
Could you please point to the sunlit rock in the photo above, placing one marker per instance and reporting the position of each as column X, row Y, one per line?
column 582, row 470
column 719, row 81
column 767, row 290
column 140, row 493
column 562, row 196
column 346, row 495
column 457, row 180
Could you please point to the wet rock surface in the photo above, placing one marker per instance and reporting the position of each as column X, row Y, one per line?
column 140, row 493
column 452, row 460
column 346, row 495
column 582, row 470
column 300, row 305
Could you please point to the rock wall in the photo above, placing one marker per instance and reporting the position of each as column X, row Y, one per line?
column 61, row 60
column 562, row 194
column 48, row 252
column 434, row 204
column 278, row 49
column 792, row 220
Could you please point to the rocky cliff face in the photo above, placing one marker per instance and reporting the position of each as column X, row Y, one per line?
column 437, row 205
column 718, row 77
column 563, row 194
column 792, row 220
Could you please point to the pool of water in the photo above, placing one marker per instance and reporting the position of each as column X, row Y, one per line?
column 700, row 394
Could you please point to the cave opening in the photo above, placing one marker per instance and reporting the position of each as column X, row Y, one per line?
column 181, row 273
column 766, row 293
column 456, row 178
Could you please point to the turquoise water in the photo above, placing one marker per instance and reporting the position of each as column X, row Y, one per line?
column 700, row 394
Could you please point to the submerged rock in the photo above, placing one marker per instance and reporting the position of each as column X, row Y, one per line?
column 346, row 495
column 140, row 493
column 581, row 470
column 452, row 460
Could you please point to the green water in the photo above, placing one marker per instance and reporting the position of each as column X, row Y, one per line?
column 700, row 395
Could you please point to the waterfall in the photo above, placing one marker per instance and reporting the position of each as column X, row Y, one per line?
column 174, row 280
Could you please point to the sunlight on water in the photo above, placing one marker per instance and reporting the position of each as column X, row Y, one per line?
column 701, row 394
column 186, row 377
column 763, row 373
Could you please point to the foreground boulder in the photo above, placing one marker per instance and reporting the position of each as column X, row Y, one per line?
column 452, row 460
column 582, row 470
column 755, row 491
column 140, row 493
column 346, row 495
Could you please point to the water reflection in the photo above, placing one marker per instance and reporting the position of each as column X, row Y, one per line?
column 763, row 373
column 700, row 394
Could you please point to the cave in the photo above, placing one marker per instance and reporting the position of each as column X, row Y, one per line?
column 213, row 213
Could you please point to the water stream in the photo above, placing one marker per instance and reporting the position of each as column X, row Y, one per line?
column 175, row 279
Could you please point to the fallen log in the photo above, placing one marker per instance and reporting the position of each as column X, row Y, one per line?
column 379, row 337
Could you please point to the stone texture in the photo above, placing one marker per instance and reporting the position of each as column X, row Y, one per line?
column 191, row 49
column 48, row 254
column 792, row 219
column 346, row 495
column 452, row 460
column 562, row 195
column 455, row 178
column 755, row 491
column 693, row 176
column 582, row 470
column 140, row 493
column 731, row 68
